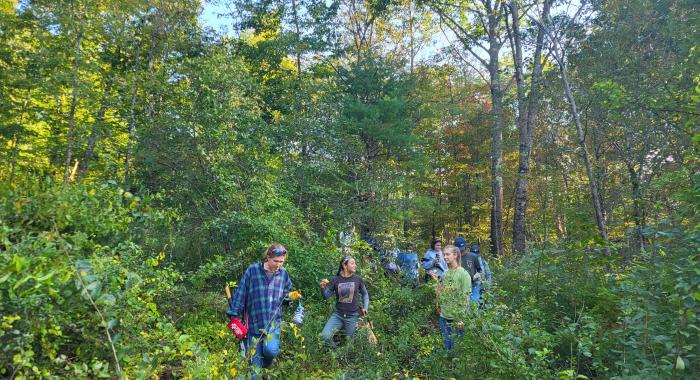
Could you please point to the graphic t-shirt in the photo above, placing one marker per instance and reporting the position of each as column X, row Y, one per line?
column 347, row 293
column 470, row 262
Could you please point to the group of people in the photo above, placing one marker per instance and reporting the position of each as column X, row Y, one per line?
column 266, row 287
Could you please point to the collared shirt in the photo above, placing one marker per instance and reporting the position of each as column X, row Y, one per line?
column 261, row 298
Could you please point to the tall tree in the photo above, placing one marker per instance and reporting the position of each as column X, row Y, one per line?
column 560, row 51
column 527, row 105
column 483, row 37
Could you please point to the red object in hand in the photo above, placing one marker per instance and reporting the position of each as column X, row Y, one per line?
column 238, row 328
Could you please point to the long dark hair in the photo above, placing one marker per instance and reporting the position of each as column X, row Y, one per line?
column 343, row 261
column 432, row 246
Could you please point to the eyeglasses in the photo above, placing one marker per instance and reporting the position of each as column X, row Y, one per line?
column 279, row 251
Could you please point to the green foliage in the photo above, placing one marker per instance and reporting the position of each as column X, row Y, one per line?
column 184, row 154
column 659, row 312
column 606, row 320
column 73, row 270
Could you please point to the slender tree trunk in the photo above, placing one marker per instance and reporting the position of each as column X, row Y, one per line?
column 637, row 213
column 413, row 52
column 526, row 124
column 73, row 106
column 132, row 109
column 131, row 126
column 496, row 135
column 96, row 129
column 595, row 194
column 13, row 156
column 15, row 138
column 298, row 33
column 468, row 200
column 492, row 18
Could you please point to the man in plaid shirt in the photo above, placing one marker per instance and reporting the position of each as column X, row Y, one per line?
column 262, row 290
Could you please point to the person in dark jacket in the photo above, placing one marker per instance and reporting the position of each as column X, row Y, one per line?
column 470, row 262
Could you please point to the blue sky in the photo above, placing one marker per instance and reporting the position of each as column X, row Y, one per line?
column 212, row 8
column 209, row 16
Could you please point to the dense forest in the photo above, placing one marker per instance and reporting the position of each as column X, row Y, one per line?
column 147, row 159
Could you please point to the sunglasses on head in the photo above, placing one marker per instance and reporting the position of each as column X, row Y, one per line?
column 346, row 259
column 279, row 251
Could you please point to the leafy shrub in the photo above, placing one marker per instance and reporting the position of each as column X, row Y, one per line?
column 79, row 295
column 659, row 322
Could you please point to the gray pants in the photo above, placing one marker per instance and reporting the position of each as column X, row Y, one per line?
column 337, row 321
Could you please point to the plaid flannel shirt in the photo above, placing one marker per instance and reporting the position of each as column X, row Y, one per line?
column 260, row 298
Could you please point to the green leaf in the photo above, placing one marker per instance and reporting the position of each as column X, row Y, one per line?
column 94, row 288
column 20, row 282
column 112, row 323
column 5, row 277
column 106, row 299
column 46, row 276
column 689, row 302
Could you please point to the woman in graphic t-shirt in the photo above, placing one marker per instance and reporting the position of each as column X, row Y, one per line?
column 347, row 287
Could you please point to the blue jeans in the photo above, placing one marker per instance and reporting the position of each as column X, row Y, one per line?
column 346, row 321
column 476, row 291
column 266, row 346
column 449, row 332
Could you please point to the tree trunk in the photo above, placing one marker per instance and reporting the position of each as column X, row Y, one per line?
column 496, row 135
column 13, row 156
column 73, row 106
column 131, row 136
column 526, row 124
column 131, row 126
column 410, row 31
column 595, row 194
column 99, row 124
column 297, row 49
column 637, row 214
column 467, row 200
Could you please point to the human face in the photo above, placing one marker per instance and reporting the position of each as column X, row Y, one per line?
column 274, row 263
column 451, row 257
column 350, row 267
column 438, row 246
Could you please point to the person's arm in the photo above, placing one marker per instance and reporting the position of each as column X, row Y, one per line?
column 487, row 272
column 477, row 264
column 286, row 300
column 287, row 286
column 467, row 286
column 327, row 291
column 365, row 297
column 428, row 259
column 238, row 301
